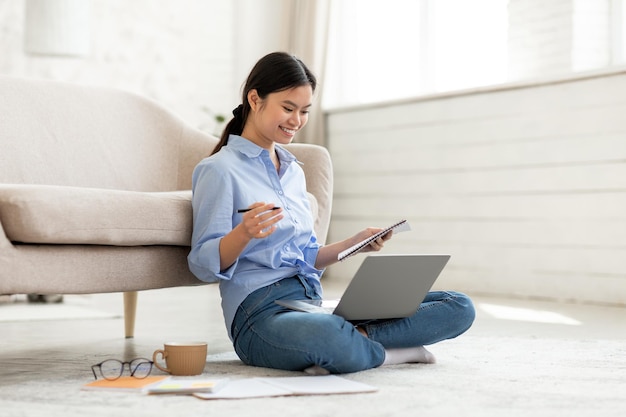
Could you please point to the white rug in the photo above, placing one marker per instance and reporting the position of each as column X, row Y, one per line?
column 536, row 359
column 70, row 309
column 475, row 376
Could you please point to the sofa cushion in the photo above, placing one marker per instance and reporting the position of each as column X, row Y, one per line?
column 46, row 214
column 74, row 215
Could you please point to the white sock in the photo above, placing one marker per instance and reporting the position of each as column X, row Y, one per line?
column 408, row 355
column 316, row 370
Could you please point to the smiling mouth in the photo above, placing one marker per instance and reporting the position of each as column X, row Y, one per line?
column 289, row 131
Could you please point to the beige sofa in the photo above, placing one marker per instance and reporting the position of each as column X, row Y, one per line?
column 95, row 191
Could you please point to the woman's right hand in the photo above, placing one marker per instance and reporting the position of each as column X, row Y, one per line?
column 260, row 220
column 257, row 223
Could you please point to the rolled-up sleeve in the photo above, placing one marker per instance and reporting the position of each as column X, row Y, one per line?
column 212, row 220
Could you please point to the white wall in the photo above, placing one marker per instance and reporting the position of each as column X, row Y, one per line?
column 258, row 29
column 524, row 185
column 185, row 54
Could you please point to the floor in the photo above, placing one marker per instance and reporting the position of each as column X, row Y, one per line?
column 525, row 356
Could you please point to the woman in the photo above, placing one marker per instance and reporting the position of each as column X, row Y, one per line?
column 269, row 251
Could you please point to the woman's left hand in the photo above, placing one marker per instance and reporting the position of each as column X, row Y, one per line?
column 327, row 254
column 377, row 244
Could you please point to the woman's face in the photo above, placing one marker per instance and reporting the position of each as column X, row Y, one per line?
column 277, row 118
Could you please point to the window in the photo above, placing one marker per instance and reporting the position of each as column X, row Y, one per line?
column 385, row 50
column 618, row 33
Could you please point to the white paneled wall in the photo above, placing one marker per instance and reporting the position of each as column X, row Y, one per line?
column 525, row 185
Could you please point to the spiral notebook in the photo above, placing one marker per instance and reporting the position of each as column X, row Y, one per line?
column 401, row 226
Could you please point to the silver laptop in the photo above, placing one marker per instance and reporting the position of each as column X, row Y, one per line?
column 384, row 287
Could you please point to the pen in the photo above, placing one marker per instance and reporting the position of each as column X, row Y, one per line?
column 247, row 209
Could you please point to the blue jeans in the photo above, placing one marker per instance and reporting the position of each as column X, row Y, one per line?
column 268, row 335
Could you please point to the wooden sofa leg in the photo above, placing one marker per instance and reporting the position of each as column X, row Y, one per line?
column 130, row 311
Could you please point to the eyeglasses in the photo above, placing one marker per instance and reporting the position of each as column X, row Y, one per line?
column 112, row 369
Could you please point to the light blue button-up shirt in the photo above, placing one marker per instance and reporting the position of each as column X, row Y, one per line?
column 240, row 174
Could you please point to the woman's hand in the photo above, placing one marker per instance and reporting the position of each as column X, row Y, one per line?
column 260, row 220
column 257, row 223
column 375, row 245
column 327, row 254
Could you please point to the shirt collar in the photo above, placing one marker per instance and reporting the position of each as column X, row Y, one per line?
column 252, row 150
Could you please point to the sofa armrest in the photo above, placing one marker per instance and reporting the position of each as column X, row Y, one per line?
column 194, row 146
column 4, row 240
column 318, row 169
